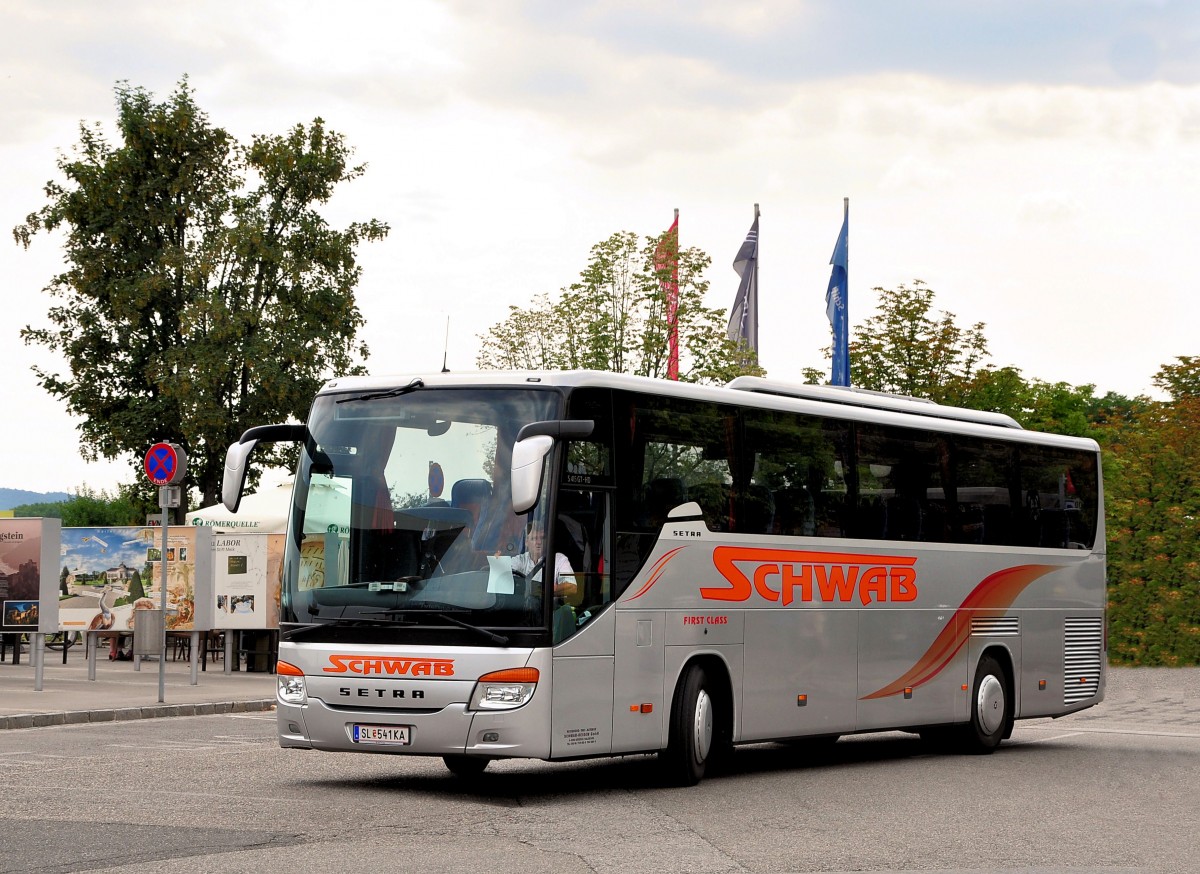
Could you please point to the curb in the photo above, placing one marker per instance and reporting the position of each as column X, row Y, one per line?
column 121, row 714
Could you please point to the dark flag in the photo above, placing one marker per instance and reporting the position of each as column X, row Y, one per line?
column 666, row 256
column 837, row 302
column 743, row 317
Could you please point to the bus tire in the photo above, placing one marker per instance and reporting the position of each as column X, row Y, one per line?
column 691, row 740
column 991, row 708
column 466, row 766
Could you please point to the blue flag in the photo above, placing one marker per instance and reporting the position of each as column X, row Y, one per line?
column 743, row 317
column 836, row 303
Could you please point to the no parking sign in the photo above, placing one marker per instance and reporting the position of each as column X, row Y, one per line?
column 165, row 464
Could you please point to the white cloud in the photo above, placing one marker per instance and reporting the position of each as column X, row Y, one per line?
column 1027, row 182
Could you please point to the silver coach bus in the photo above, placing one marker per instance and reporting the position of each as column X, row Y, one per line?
column 573, row 564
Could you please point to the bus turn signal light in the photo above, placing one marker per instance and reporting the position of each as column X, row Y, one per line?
column 511, row 675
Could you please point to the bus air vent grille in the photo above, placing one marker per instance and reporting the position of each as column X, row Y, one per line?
column 995, row 626
column 1083, row 644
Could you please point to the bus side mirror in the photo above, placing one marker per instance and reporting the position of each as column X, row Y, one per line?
column 527, row 458
column 534, row 442
column 233, row 480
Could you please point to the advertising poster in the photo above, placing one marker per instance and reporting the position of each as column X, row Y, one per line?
column 247, row 572
column 28, row 594
column 107, row 573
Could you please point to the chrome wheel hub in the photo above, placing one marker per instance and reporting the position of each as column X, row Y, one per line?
column 989, row 706
column 702, row 728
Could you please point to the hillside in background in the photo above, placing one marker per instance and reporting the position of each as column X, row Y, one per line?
column 10, row 498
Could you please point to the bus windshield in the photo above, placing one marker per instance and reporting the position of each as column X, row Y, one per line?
column 402, row 514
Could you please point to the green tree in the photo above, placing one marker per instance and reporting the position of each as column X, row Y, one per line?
column 614, row 318
column 1180, row 380
column 1153, row 501
column 905, row 348
column 203, row 292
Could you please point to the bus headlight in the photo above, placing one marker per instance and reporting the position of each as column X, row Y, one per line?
column 291, row 688
column 504, row 690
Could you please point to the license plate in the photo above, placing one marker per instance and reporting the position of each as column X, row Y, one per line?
column 381, row 734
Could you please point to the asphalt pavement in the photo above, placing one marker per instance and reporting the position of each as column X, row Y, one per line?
column 1144, row 699
column 121, row 691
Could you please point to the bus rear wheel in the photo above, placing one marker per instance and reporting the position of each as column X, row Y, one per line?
column 691, row 743
column 466, row 766
column 991, row 708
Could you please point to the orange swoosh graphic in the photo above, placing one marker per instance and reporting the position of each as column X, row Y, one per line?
column 656, row 572
column 992, row 597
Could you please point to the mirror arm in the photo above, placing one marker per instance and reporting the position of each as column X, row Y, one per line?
column 559, row 429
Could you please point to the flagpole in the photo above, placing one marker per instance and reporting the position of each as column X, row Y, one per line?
column 837, row 301
column 674, row 365
column 743, row 315
column 757, row 275
column 846, row 222
column 670, row 285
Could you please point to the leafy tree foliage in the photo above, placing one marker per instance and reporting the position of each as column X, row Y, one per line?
column 1153, row 502
column 1180, row 380
column 615, row 318
column 904, row 348
column 203, row 292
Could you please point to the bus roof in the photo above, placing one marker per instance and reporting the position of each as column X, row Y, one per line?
column 858, row 404
column 859, row 397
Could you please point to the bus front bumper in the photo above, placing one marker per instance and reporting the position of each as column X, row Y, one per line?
column 452, row 730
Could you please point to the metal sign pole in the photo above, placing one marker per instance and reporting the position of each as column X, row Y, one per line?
column 165, row 465
column 163, row 502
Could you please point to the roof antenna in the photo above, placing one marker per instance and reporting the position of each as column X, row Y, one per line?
column 446, row 347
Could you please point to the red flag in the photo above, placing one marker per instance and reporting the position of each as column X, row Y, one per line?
column 667, row 256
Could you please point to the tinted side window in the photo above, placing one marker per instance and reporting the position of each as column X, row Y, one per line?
column 988, row 492
column 796, row 482
column 1061, row 497
column 668, row 451
column 902, row 475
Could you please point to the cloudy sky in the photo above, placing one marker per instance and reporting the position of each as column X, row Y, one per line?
column 1034, row 162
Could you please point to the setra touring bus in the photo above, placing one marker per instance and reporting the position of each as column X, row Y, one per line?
column 564, row 565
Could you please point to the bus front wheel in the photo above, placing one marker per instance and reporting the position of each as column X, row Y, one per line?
column 691, row 738
column 991, row 708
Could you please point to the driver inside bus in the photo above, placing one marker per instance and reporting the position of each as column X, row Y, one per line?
column 530, row 561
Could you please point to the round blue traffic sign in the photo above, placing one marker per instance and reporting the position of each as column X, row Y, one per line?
column 165, row 464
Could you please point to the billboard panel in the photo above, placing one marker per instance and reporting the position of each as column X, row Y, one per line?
column 247, row 571
column 28, row 574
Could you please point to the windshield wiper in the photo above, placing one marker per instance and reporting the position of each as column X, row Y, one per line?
column 301, row 631
column 445, row 617
column 490, row 635
column 390, row 393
